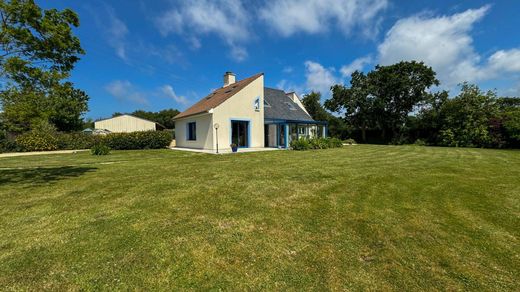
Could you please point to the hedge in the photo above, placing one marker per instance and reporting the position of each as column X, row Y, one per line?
column 138, row 140
column 47, row 141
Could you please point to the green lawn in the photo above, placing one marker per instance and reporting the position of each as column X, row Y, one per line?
column 360, row 217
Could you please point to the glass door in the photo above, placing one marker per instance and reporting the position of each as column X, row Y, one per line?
column 281, row 136
column 240, row 133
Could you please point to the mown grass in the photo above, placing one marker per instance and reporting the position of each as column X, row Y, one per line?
column 360, row 217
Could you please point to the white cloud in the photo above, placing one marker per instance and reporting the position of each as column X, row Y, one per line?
column 228, row 19
column 124, row 90
column 504, row 61
column 445, row 43
column 288, row 86
column 116, row 34
column 238, row 53
column 288, row 17
column 356, row 65
column 319, row 78
column 168, row 91
column 288, row 70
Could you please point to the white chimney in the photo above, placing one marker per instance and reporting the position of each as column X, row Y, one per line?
column 229, row 78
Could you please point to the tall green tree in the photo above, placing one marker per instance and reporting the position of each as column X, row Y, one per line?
column 312, row 103
column 355, row 102
column 384, row 97
column 336, row 126
column 37, row 52
column 399, row 89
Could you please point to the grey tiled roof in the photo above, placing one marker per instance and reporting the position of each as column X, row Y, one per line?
column 280, row 106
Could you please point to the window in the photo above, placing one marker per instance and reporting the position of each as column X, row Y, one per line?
column 291, row 107
column 301, row 130
column 191, row 131
column 257, row 104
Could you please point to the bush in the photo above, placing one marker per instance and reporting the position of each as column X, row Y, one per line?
column 350, row 141
column 32, row 141
column 335, row 143
column 316, row 143
column 43, row 137
column 319, row 143
column 100, row 149
column 300, row 144
column 138, row 140
column 419, row 142
column 8, row 145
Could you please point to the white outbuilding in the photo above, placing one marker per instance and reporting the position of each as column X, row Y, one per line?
column 127, row 123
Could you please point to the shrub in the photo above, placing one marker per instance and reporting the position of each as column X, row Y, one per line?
column 399, row 140
column 100, row 149
column 335, row 143
column 350, row 141
column 319, row 143
column 138, row 140
column 419, row 142
column 315, row 143
column 8, row 145
column 300, row 144
column 43, row 137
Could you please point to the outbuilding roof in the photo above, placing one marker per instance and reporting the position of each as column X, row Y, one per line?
column 217, row 97
column 128, row 115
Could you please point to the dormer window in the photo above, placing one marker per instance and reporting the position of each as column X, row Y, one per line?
column 291, row 106
column 256, row 105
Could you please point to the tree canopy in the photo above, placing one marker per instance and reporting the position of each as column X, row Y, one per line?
column 312, row 103
column 37, row 52
column 384, row 97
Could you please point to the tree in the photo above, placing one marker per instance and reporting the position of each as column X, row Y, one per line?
column 312, row 103
column 37, row 52
column 467, row 120
column 336, row 125
column 384, row 97
column 356, row 103
column 398, row 89
column 510, row 119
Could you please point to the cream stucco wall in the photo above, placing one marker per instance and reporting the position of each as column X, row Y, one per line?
column 125, row 124
column 241, row 107
column 204, row 132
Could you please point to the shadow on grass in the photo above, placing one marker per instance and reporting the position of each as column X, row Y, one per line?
column 41, row 175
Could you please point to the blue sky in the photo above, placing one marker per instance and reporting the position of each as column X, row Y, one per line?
column 161, row 54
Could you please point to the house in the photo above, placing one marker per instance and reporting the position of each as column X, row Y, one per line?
column 126, row 123
column 247, row 114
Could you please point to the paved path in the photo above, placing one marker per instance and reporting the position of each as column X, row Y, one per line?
column 224, row 151
column 15, row 154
